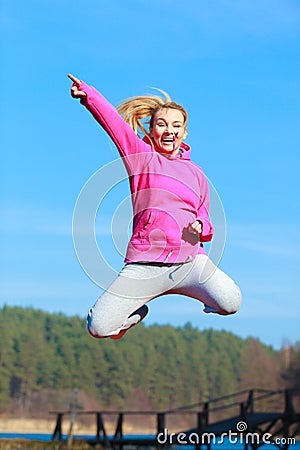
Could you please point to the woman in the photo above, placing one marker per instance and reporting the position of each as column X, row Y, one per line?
column 170, row 199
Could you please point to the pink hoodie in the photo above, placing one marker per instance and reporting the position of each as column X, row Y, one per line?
column 168, row 192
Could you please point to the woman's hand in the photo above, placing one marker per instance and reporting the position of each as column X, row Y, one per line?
column 192, row 233
column 196, row 227
column 75, row 92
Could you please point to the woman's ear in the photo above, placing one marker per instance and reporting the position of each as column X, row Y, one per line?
column 185, row 134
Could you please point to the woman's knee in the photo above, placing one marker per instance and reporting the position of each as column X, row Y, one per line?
column 96, row 327
column 232, row 301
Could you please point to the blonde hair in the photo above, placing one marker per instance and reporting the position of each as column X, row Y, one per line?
column 135, row 109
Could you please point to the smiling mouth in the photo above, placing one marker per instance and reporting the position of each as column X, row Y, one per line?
column 168, row 140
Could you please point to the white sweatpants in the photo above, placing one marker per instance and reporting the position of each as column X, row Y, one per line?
column 123, row 304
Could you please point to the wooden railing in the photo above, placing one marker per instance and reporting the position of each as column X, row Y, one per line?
column 244, row 403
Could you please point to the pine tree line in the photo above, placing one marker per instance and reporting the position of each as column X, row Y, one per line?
column 156, row 367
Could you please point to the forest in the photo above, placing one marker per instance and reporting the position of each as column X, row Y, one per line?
column 44, row 356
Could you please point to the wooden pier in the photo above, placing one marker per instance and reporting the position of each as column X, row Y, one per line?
column 252, row 418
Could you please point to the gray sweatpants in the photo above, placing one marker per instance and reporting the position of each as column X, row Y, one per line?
column 123, row 304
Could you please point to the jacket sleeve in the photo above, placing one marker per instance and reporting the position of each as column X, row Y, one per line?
column 203, row 212
column 125, row 139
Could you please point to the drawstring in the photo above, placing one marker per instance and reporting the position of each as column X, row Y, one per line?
column 188, row 259
column 168, row 256
column 173, row 271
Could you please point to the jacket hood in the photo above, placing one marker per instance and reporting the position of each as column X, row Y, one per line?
column 184, row 151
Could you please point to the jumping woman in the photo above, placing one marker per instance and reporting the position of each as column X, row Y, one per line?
column 170, row 200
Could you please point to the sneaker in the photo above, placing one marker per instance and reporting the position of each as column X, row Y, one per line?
column 142, row 311
column 210, row 309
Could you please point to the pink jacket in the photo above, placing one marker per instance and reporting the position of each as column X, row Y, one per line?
column 168, row 192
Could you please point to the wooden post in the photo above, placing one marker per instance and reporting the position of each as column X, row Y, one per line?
column 288, row 402
column 100, row 428
column 243, row 410
column 200, row 427
column 250, row 402
column 206, row 413
column 290, row 415
column 160, row 426
column 119, row 431
column 202, row 422
column 73, row 416
column 58, row 427
column 160, row 422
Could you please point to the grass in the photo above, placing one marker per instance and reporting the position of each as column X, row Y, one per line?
column 24, row 444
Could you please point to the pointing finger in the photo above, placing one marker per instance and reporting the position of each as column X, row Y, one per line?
column 74, row 79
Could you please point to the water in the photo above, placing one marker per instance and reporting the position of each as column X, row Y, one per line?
column 233, row 444
column 29, row 436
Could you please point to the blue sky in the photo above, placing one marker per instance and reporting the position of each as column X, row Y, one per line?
column 233, row 64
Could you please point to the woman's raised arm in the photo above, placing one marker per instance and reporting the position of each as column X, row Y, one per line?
column 127, row 142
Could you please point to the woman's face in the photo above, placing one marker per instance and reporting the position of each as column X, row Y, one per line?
column 168, row 130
